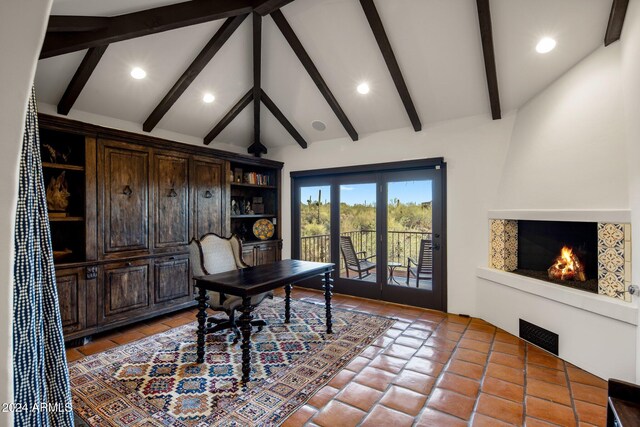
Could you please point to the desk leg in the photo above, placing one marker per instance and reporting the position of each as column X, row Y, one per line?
column 245, row 328
column 287, row 303
column 327, row 298
column 202, row 319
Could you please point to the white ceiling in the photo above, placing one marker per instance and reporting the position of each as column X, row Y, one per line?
column 436, row 42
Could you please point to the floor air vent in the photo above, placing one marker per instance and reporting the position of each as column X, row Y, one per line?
column 539, row 336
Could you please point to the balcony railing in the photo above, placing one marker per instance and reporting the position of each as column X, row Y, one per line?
column 400, row 244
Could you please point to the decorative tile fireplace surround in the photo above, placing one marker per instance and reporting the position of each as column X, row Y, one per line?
column 613, row 254
column 612, row 238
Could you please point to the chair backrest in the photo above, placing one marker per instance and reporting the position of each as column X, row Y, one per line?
column 349, row 254
column 425, row 260
column 214, row 254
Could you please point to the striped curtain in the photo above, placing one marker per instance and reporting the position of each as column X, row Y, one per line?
column 41, row 380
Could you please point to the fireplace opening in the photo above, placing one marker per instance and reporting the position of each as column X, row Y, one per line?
column 561, row 252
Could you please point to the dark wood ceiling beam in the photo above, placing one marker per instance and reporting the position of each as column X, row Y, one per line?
column 486, row 34
column 73, row 23
column 228, row 118
column 283, row 120
column 198, row 64
column 308, row 64
column 269, row 6
column 616, row 21
column 146, row 22
column 380, row 34
column 80, row 78
column 257, row 148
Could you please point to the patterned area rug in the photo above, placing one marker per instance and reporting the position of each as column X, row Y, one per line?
column 156, row 382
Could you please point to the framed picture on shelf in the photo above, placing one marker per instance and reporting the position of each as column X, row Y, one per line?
column 237, row 175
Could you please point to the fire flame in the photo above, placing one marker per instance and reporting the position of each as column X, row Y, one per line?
column 567, row 266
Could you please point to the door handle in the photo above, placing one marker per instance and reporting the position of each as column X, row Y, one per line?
column 436, row 246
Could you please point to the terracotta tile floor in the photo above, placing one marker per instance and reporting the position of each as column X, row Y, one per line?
column 430, row 369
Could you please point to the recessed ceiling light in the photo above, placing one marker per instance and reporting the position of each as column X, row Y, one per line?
column 138, row 73
column 208, row 98
column 318, row 125
column 363, row 88
column 545, row 45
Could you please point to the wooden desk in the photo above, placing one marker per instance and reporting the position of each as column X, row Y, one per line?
column 252, row 281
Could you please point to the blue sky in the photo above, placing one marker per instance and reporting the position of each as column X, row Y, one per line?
column 407, row 191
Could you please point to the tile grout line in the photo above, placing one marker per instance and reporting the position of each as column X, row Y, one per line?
column 367, row 413
column 526, row 381
column 573, row 403
column 484, row 376
column 438, row 378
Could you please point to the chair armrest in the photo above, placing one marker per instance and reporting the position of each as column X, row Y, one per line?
column 411, row 261
column 361, row 252
column 369, row 257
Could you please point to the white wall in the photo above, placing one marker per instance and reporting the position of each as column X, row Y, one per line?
column 630, row 41
column 22, row 25
column 568, row 151
column 474, row 149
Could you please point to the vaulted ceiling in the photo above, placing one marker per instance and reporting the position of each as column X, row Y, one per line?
column 437, row 45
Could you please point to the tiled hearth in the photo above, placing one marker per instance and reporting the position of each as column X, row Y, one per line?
column 614, row 254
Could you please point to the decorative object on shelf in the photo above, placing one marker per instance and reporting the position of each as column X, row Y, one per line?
column 247, row 208
column 61, row 255
column 235, row 210
column 258, row 206
column 58, row 196
column 237, row 175
column 263, row 229
column 56, row 156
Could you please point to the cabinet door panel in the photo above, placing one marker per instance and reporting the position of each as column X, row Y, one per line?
column 126, row 197
column 125, row 289
column 207, row 196
column 171, row 201
column 71, row 287
column 172, row 279
column 266, row 254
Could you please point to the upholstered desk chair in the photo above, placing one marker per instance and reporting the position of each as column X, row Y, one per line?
column 214, row 254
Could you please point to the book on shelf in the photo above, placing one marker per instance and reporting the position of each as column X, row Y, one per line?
column 256, row 178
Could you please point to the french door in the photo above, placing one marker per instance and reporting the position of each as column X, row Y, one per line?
column 382, row 225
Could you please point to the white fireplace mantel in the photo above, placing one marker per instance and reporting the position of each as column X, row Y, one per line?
column 599, row 304
column 591, row 215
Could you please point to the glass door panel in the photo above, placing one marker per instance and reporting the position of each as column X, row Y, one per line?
column 315, row 223
column 358, row 232
column 409, row 234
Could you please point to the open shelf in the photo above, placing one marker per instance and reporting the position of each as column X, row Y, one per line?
column 62, row 166
column 238, row 184
column 254, row 216
column 66, row 219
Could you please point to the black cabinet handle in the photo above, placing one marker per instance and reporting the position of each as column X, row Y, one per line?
column 207, row 194
column 128, row 264
column 172, row 193
column 171, row 258
column 127, row 190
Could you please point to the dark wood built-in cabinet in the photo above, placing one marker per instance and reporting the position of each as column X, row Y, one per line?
column 123, row 188
column 134, row 203
column 171, row 207
column 207, row 193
